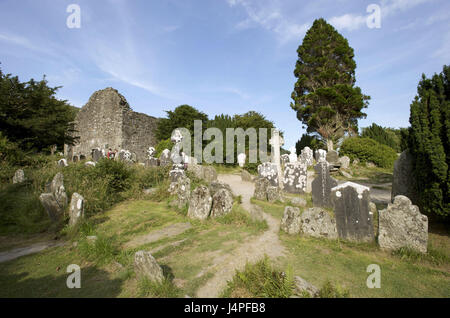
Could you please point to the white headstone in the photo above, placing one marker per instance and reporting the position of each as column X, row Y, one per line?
column 241, row 159
column 292, row 155
column 276, row 141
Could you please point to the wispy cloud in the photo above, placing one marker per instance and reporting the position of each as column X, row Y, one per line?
column 269, row 16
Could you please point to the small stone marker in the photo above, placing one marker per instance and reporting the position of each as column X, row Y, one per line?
column 146, row 266
column 321, row 185
column 164, row 158
column 96, row 154
column 222, row 203
column 274, row 194
column 19, row 176
column 321, row 155
column 402, row 225
column 345, row 162
column 261, row 185
column 351, row 209
column 76, row 211
column 241, row 159
column 316, row 222
column 295, row 177
column 62, row 162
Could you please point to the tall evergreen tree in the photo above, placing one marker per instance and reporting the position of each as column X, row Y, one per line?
column 325, row 96
column 429, row 139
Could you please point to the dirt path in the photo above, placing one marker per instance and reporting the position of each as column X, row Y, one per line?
column 22, row 251
column 251, row 251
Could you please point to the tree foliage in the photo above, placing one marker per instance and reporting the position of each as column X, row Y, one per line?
column 385, row 136
column 429, row 143
column 311, row 141
column 181, row 117
column 368, row 150
column 31, row 115
column 325, row 96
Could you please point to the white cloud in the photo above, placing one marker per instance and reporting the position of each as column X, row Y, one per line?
column 268, row 15
column 348, row 21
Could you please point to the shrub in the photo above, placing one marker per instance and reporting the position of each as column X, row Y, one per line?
column 329, row 290
column 163, row 144
column 382, row 135
column 260, row 280
column 367, row 149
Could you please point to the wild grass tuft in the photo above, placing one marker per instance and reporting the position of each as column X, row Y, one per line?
column 165, row 289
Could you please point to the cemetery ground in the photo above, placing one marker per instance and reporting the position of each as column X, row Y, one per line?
column 194, row 253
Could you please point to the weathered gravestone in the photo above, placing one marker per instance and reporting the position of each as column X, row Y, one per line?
column 76, row 211
column 284, row 158
column 293, row 155
column 145, row 265
column 344, row 162
column 321, row 185
column 151, row 161
column 96, row 154
column 182, row 189
column 402, row 225
column 261, row 185
column 19, row 176
column 269, row 171
column 321, row 155
column 333, row 158
column 200, row 203
column 164, row 158
column 222, row 203
column 351, row 209
column 295, row 176
column 403, row 182
column 62, row 162
column 290, row 223
column 306, row 156
column 274, row 194
column 55, row 199
column 316, row 222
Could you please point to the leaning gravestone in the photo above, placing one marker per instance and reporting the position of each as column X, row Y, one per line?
column 295, row 175
column 351, row 209
column 402, row 225
column 290, row 223
column 145, row 265
column 403, row 182
column 76, row 211
column 19, row 176
column 321, row 185
column 269, row 171
column 200, row 203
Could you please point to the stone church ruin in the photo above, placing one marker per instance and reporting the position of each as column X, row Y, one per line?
column 107, row 121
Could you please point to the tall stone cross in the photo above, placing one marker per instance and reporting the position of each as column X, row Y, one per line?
column 276, row 141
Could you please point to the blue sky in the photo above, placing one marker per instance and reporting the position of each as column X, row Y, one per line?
column 221, row 56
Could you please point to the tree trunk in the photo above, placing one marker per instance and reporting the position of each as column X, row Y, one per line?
column 329, row 144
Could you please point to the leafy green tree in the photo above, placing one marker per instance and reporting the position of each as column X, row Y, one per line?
column 385, row 136
column 31, row 115
column 311, row 141
column 181, row 117
column 429, row 140
column 325, row 96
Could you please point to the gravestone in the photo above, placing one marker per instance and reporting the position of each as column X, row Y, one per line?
column 402, row 225
column 276, row 141
column 241, row 159
column 146, row 266
column 284, row 158
column 246, row 176
column 294, row 180
column 290, row 223
column 292, row 155
column 54, row 200
column 200, row 203
column 351, row 209
column 274, row 194
column 76, row 211
column 403, row 182
column 333, row 158
column 345, row 162
column 321, row 185
column 317, row 222
column 269, row 171
column 222, row 203
column 164, row 158
column 96, row 154
column 261, row 185
column 321, row 155
column 306, row 156
column 62, row 162
column 19, row 176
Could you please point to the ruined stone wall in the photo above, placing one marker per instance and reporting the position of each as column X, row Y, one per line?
column 107, row 121
column 138, row 133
